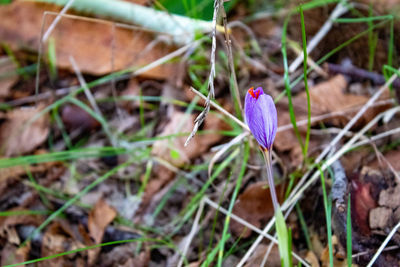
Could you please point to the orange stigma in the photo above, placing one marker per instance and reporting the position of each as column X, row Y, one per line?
column 255, row 94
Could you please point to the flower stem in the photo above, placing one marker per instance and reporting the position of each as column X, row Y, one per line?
column 270, row 177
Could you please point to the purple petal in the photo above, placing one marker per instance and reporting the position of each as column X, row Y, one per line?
column 261, row 116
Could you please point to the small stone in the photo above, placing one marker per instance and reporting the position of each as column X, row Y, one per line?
column 380, row 217
column 390, row 197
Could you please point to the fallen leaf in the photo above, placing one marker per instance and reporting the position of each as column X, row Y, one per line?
column 330, row 96
column 7, row 76
column 11, row 174
column 338, row 260
column 98, row 47
column 312, row 259
column 12, row 254
column 142, row 260
column 8, row 224
column 17, row 136
column 392, row 157
column 255, row 206
column 99, row 218
column 59, row 238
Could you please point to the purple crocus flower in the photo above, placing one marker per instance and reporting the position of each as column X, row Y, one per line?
column 260, row 113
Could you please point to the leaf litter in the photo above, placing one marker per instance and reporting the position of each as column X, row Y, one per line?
column 155, row 199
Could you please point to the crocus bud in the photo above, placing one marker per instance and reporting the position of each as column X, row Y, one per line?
column 260, row 113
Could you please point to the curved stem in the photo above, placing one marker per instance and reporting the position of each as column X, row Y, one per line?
column 270, row 177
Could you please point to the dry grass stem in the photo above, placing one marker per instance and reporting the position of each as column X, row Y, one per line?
column 56, row 20
column 211, row 93
column 383, row 245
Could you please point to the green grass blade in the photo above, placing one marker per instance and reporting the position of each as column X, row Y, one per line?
column 349, row 234
column 304, row 38
column 91, row 152
column 364, row 19
column 287, row 85
column 283, row 239
column 213, row 253
column 304, row 226
column 233, row 199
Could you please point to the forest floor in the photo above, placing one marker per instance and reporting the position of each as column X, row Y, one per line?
column 95, row 114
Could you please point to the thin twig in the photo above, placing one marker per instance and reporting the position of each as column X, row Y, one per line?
column 91, row 99
column 211, row 94
column 228, row 46
column 113, row 82
column 383, row 245
column 195, row 227
column 376, row 137
column 225, row 148
column 358, row 74
column 56, row 20
column 294, row 46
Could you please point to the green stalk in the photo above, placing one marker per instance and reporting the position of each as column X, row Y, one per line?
column 284, row 239
column 182, row 28
column 287, row 85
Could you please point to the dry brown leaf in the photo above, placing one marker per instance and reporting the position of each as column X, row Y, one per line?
column 99, row 218
column 391, row 157
column 59, row 238
column 329, row 96
column 255, row 206
column 142, row 260
column 7, row 67
column 89, row 43
column 8, row 223
column 17, row 137
column 174, row 151
column 12, row 254
column 9, row 175
column 312, row 259
column 338, row 259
